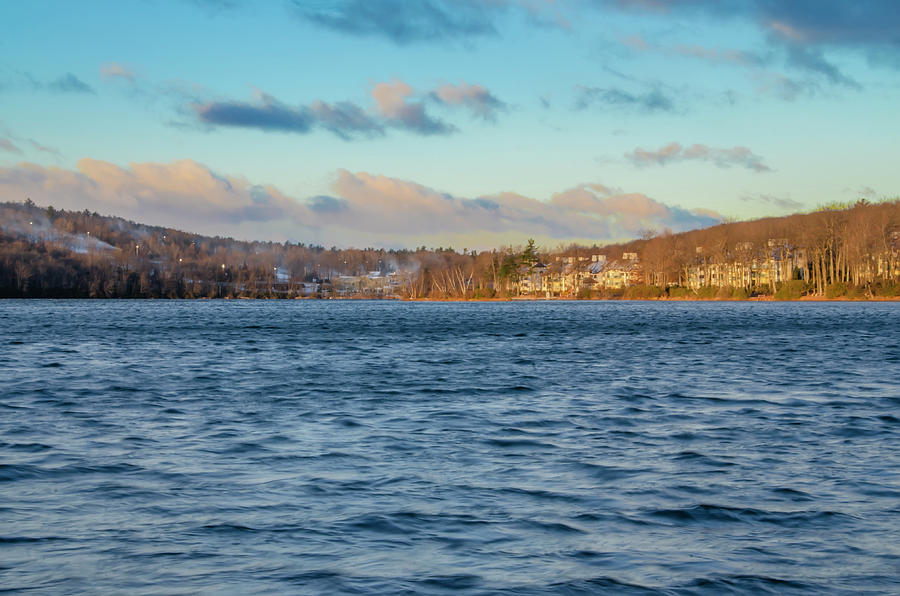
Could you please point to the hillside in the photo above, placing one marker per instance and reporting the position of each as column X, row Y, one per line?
column 841, row 250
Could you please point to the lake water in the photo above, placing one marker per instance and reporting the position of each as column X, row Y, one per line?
column 484, row 448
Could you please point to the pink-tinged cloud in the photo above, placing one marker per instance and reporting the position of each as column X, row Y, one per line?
column 7, row 145
column 629, row 211
column 588, row 211
column 394, row 102
column 475, row 98
column 391, row 97
column 364, row 210
column 721, row 157
column 116, row 70
column 182, row 194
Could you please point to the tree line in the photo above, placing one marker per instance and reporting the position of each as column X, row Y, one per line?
column 835, row 250
column 838, row 249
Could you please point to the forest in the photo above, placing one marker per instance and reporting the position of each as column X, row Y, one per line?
column 839, row 250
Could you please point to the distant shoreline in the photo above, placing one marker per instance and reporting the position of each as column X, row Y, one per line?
column 50, row 253
column 768, row 298
column 764, row 298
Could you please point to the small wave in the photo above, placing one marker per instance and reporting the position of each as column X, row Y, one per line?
column 349, row 423
column 597, row 585
column 12, row 472
column 611, row 518
column 793, row 494
column 241, row 448
column 58, row 350
column 706, row 513
column 720, row 513
column 521, row 389
column 552, row 527
column 319, row 576
column 462, row 581
column 12, row 407
column 341, row 454
column 438, row 391
column 702, row 459
column 857, row 431
column 228, row 528
column 607, row 473
column 26, row 447
column 541, row 423
column 591, row 555
column 381, row 524
column 685, row 436
column 872, row 489
column 750, row 584
column 517, row 443
column 123, row 389
column 120, row 468
column 27, row 540
column 540, row 494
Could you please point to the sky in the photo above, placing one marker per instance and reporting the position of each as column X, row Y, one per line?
column 464, row 123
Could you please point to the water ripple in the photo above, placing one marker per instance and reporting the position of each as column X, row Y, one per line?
column 414, row 448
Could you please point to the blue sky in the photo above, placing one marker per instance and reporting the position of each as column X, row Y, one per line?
column 471, row 123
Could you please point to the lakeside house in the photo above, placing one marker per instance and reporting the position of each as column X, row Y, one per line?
column 619, row 273
column 746, row 267
column 568, row 275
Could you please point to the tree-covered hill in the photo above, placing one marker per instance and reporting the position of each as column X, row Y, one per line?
column 45, row 252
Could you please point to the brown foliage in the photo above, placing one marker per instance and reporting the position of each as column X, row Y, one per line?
column 50, row 253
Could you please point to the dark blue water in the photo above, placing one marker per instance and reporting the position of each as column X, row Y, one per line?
column 484, row 448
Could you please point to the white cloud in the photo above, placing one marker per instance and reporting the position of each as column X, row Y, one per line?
column 365, row 209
